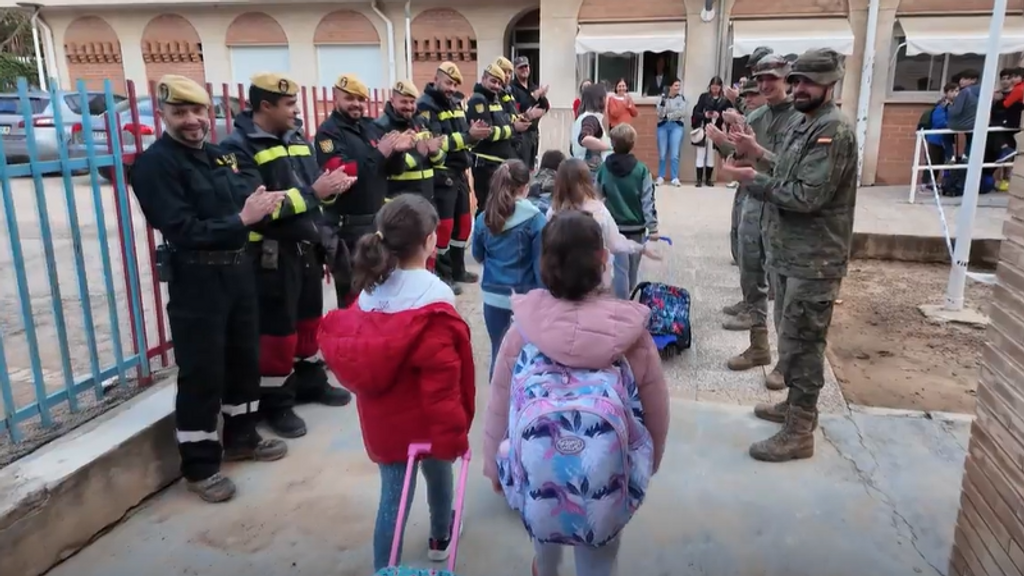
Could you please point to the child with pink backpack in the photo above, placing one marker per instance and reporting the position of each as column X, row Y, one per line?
column 578, row 412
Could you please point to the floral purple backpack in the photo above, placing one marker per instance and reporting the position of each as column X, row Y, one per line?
column 577, row 458
column 669, row 324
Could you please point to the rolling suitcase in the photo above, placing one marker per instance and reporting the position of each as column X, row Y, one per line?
column 393, row 569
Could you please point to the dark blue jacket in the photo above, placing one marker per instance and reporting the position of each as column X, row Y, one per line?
column 511, row 259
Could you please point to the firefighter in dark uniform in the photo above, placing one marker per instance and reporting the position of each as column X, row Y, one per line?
column 271, row 151
column 508, row 102
column 485, row 106
column 444, row 117
column 413, row 173
column 191, row 191
column 347, row 140
column 532, row 103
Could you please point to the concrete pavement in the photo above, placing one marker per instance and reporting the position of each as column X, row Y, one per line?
column 880, row 496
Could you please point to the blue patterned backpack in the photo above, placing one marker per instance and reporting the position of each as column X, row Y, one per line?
column 670, row 315
column 577, row 458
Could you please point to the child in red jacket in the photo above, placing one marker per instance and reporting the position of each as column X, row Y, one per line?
column 405, row 353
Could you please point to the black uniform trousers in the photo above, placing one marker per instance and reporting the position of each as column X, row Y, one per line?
column 339, row 255
column 527, row 151
column 483, row 170
column 289, row 281
column 213, row 314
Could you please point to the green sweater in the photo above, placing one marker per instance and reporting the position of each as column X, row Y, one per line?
column 628, row 191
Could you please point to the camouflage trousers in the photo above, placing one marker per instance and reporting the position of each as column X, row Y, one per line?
column 734, row 230
column 803, row 313
column 753, row 278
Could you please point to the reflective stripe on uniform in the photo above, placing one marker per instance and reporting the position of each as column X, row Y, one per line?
column 410, row 161
column 449, row 114
column 443, row 250
column 186, row 436
column 413, row 175
column 273, row 381
column 496, row 108
column 457, row 243
column 491, row 158
column 255, row 237
column 275, row 152
column 239, row 409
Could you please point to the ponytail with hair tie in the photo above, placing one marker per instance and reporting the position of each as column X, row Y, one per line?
column 407, row 221
column 506, row 183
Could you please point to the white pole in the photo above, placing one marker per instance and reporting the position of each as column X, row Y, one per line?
column 864, row 99
column 40, row 69
column 965, row 219
column 917, row 165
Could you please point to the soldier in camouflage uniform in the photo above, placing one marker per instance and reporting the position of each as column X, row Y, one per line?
column 755, row 57
column 752, row 100
column 810, row 196
column 768, row 124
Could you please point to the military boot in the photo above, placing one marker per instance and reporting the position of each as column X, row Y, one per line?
column 285, row 423
column 216, row 488
column 741, row 321
column 795, row 441
column 775, row 380
column 459, row 272
column 443, row 270
column 758, row 354
column 734, row 309
column 256, row 448
column 776, row 412
column 314, row 386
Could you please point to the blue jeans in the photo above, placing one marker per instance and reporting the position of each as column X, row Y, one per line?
column 497, row 320
column 627, row 268
column 670, row 135
column 440, row 485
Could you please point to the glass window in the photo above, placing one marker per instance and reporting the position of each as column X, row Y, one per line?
column 646, row 73
column 12, row 105
column 930, row 72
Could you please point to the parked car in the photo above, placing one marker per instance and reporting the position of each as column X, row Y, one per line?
column 12, row 122
column 145, row 127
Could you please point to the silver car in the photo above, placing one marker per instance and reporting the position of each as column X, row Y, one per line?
column 47, row 136
column 145, row 127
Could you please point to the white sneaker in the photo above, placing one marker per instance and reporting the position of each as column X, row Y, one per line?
column 675, row 182
column 660, row 181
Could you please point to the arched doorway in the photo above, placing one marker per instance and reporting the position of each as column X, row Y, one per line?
column 524, row 40
column 93, row 53
column 441, row 34
column 171, row 45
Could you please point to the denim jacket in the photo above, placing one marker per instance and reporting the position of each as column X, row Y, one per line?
column 511, row 259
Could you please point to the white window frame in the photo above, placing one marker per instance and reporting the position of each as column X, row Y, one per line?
column 590, row 67
column 1005, row 61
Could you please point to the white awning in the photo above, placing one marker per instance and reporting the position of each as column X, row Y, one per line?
column 794, row 36
column 959, row 34
column 634, row 37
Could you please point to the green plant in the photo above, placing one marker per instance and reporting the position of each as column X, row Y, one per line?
column 12, row 67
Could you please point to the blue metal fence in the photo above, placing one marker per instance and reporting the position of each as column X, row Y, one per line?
column 91, row 353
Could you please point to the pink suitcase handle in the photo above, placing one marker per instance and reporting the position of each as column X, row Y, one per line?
column 416, row 450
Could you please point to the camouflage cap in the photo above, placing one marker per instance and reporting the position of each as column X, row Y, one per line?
column 749, row 88
column 174, row 89
column 505, row 64
column 771, row 65
column 275, row 83
column 353, row 85
column 823, row 66
column 757, row 54
column 496, row 71
column 451, row 70
column 406, row 88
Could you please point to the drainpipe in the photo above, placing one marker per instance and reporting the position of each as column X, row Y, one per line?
column 866, row 73
column 709, row 8
column 49, row 49
column 37, row 47
column 408, row 39
column 392, row 74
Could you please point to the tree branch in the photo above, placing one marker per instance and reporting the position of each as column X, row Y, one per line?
column 17, row 31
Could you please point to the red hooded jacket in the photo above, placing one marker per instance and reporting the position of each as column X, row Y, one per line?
column 406, row 354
